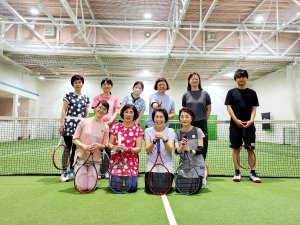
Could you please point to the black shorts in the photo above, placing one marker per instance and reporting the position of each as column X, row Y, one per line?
column 237, row 139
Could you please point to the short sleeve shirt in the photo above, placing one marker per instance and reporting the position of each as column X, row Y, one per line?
column 113, row 105
column 129, row 136
column 139, row 103
column 193, row 135
column 241, row 101
column 169, row 134
column 197, row 101
column 89, row 131
column 166, row 103
column 76, row 109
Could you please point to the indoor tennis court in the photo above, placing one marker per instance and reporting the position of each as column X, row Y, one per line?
column 44, row 43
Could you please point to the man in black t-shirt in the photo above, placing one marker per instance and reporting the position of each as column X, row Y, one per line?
column 241, row 105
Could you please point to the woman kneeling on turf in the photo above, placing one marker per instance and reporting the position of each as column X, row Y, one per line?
column 190, row 142
column 127, row 137
column 91, row 135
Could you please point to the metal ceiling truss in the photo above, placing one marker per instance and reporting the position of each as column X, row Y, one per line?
column 178, row 39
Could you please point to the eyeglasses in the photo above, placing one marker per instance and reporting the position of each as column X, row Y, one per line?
column 102, row 108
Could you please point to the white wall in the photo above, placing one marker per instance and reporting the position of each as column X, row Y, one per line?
column 21, row 85
column 274, row 97
column 52, row 93
column 268, row 89
column 272, row 93
column 15, row 80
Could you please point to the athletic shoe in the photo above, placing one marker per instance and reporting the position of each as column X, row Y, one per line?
column 203, row 182
column 64, row 177
column 236, row 177
column 254, row 178
column 106, row 176
column 71, row 175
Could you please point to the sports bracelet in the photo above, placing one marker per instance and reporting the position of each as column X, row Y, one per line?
column 165, row 141
column 154, row 142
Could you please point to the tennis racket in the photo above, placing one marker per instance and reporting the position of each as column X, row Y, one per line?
column 86, row 175
column 246, row 158
column 61, row 156
column 120, row 175
column 187, row 178
column 159, row 179
column 104, row 167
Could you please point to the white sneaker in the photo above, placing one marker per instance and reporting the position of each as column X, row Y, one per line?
column 64, row 177
column 71, row 175
column 203, row 182
column 254, row 178
column 236, row 177
column 106, row 175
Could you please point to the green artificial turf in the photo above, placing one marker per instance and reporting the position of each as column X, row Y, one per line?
column 44, row 200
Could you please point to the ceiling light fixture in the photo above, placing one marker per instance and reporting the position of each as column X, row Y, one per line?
column 34, row 11
column 259, row 18
column 147, row 15
column 147, row 35
column 146, row 73
column 230, row 74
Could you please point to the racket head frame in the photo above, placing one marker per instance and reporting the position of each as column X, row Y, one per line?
column 191, row 165
column 55, row 152
column 91, row 164
column 158, row 157
column 119, row 159
column 250, row 151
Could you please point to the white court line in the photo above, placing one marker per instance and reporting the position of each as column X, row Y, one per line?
column 169, row 211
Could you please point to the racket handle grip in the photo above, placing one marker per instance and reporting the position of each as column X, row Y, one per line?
column 158, row 145
column 94, row 140
column 119, row 139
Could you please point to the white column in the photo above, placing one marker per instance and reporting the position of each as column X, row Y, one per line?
column 16, row 105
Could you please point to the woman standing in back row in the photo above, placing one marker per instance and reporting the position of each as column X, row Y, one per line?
column 75, row 108
column 198, row 100
column 135, row 99
column 160, row 100
column 106, row 86
column 110, row 117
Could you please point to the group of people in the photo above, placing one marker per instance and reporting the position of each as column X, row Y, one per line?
column 79, row 133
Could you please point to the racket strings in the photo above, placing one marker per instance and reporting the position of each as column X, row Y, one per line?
column 61, row 157
column 104, row 167
column 120, row 184
column 120, row 179
column 187, row 179
column 86, row 177
column 159, row 180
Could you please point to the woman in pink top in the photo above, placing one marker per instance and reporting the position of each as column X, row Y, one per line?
column 109, row 119
column 106, row 86
column 91, row 135
column 131, row 141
